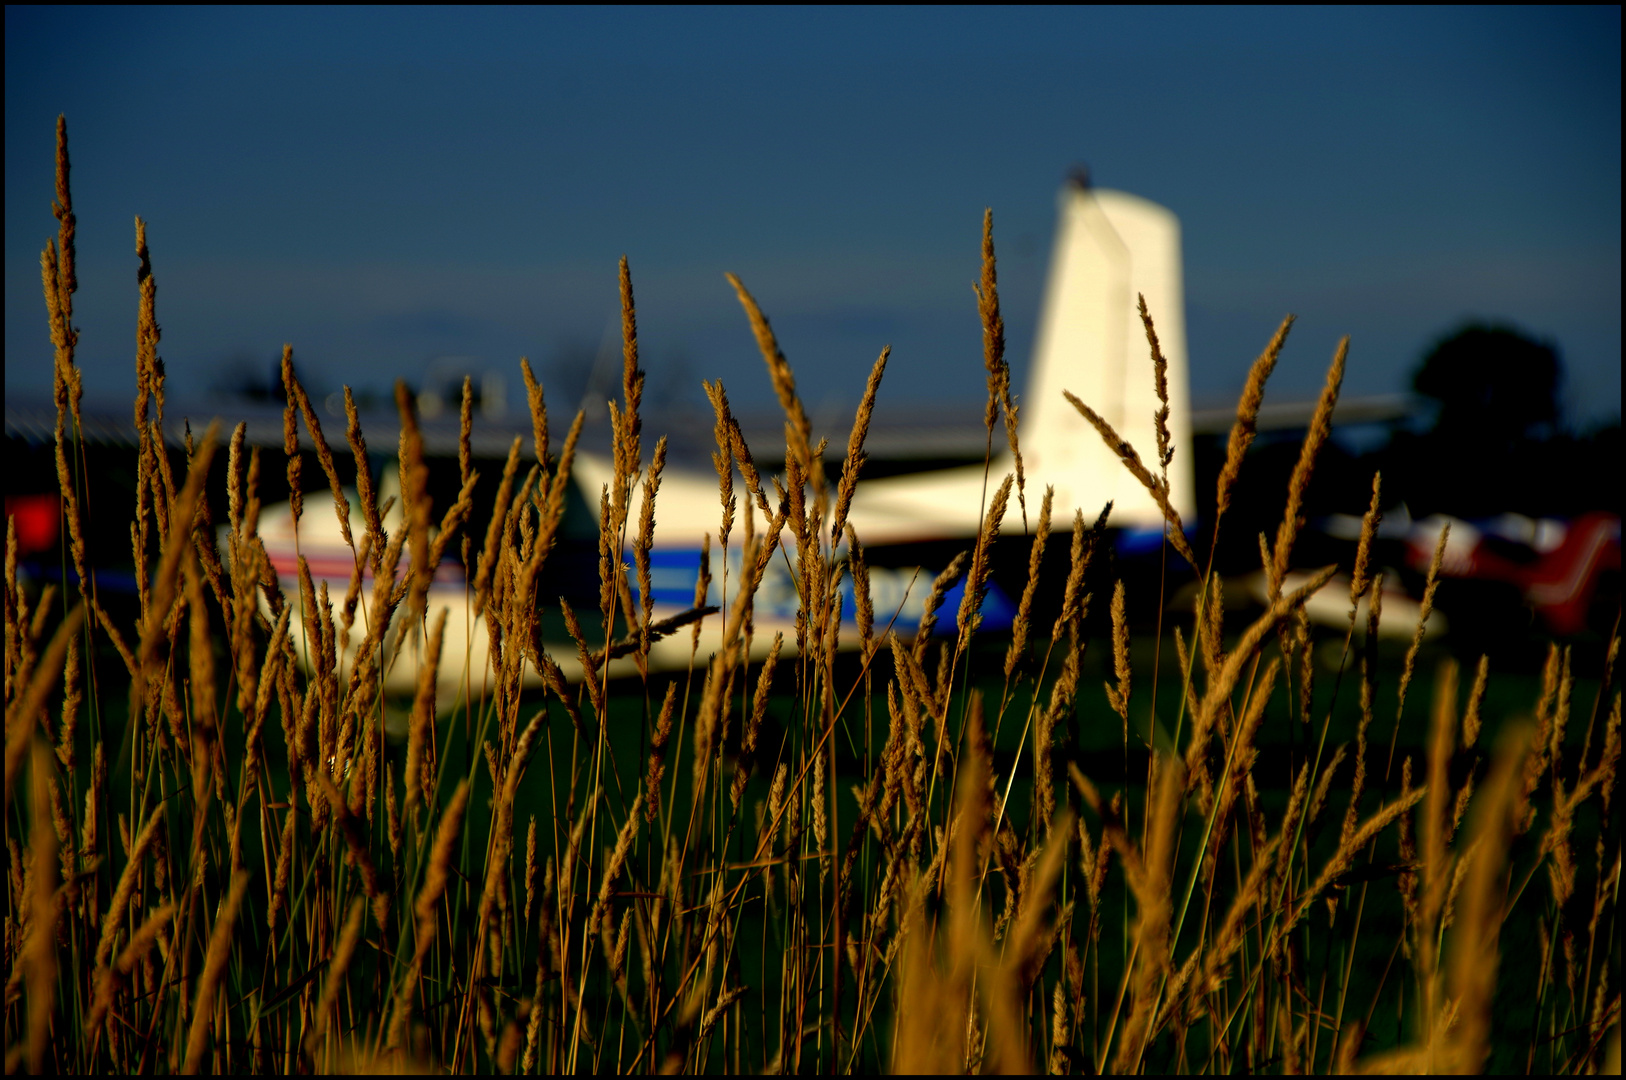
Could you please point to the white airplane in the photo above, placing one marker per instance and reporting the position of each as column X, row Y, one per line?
column 1109, row 248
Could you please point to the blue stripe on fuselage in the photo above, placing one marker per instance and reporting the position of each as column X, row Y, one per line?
column 898, row 595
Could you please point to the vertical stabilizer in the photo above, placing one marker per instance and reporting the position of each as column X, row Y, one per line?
column 1109, row 247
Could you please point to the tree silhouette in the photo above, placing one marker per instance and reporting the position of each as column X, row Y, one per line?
column 1496, row 442
column 1492, row 384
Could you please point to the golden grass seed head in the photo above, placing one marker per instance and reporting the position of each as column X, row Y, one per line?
column 290, row 433
column 214, row 966
column 465, row 429
column 799, row 431
column 438, row 873
column 1241, row 755
column 1119, row 695
column 1233, row 930
column 279, row 885
column 721, row 458
column 976, row 585
column 200, row 652
column 1476, row 697
column 1374, row 618
column 1472, row 974
column 993, row 325
column 934, row 599
column 645, row 540
column 414, row 500
column 1609, row 760
column 1247, row 416
column 795, row 507
column 617, row 860
column 1465, row 795
column 365, row 492
column 16, row 607
column 748, row 469
column 1320, row 430
column 451, row 523
column 776, row 792
column 1082, row 549
column 421, row 730
column 1152, row 894
column 1160, row 384
column 148, row 365
column 993, row 348
column 854, row 462
column 73, row 698
column 753, row 726
column 1221, row 685
column 1021, row 625
column 495, row 528
column 863, row 599
column 1302, row 643
column 1324, row 784
column 632, row 376
column 343, row 951
column 709, row 718
column 1359, row 580
column 657, row 755
column 1344, row 857
column 1561, row 714
column 234, row 477
column 1209, row 627
column 62, row 209
column 1427, row 606
column 324, row 453
column 355, row 840
column 1442, row 731
column 554, row 507
column 539, row 415
column 1155, row 487
column 140, row 942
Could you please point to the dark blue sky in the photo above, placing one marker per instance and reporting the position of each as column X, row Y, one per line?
column 380, row 187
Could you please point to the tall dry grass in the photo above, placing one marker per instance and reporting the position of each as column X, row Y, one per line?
column 247, row 874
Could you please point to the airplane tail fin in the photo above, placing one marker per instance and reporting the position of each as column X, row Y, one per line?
column 1109, row 248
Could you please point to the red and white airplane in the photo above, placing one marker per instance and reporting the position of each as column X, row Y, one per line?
column 1557, row 566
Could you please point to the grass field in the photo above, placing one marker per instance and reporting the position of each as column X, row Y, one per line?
column 965, row 851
